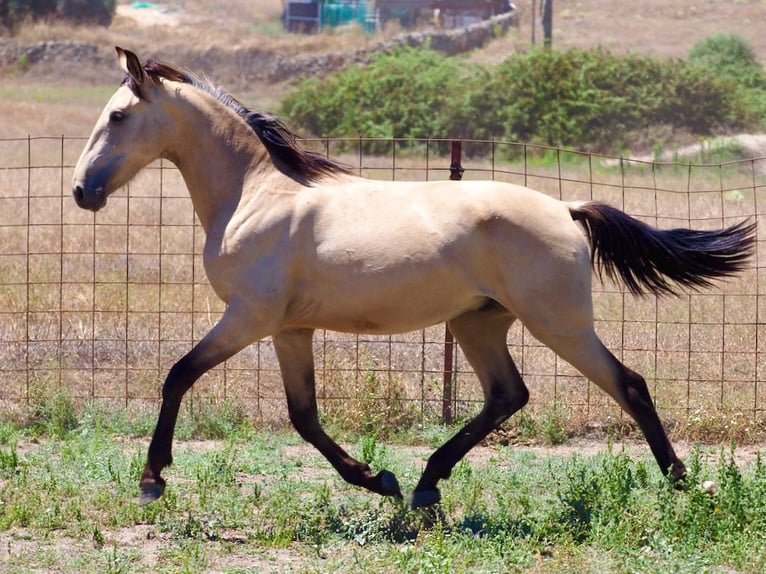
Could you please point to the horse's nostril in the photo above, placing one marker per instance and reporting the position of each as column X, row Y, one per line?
column 77, row 192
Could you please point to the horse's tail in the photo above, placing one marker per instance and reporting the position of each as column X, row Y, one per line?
column 650, row 260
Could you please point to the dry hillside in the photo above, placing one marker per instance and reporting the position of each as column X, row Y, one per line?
column 231, row 40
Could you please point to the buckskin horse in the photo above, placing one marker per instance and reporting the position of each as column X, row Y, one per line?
column 295, row 242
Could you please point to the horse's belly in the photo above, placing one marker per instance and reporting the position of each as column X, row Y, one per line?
column 386, row 313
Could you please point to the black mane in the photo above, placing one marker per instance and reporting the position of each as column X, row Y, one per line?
column 304, row 166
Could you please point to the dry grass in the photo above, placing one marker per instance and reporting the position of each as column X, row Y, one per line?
column 204, row 23
column 65, row 98
column 654, row 26
column 664, row 29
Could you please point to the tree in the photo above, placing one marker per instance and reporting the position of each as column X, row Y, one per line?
column 14, row 12
column 546, row 10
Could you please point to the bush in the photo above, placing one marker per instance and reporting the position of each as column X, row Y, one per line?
column 582, row 98
column 14, row 12
column 87, row 11
column 590, row 98
column 699, row 101
column 566, row 98
column 733, row 60
column 405, row 94
column 723, row 52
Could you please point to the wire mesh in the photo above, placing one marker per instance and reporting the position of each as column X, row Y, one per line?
column 102, row 305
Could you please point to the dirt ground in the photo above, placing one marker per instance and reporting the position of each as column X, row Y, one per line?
column 232, row 551
column 658, row 27
column 667, row 29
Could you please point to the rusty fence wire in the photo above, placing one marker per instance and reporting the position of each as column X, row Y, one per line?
column 100, row 306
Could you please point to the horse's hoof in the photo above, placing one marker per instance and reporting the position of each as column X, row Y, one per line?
column 151, row 492
column 389, row 485
column 422, row 498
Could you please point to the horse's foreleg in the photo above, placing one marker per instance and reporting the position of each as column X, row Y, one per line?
column 227, row 338
column 482, row 336
column 296, row 361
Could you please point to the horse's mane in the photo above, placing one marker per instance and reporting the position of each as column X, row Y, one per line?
column 304, row 166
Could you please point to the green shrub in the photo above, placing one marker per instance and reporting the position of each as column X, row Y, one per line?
column 732, row 59
column 723, row 52
column 589, row 98
column 87, row 11
column 52, row 410
column 699, row 101
column 580, row 98
column 13, row 12
column 405, row 94
column 574, row 97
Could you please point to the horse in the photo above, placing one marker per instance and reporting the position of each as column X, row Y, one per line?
column 294, row 242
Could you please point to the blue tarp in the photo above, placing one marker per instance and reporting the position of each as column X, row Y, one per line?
column 341, row 13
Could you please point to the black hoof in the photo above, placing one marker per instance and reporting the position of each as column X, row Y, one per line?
column 389, row 485
column 151, row 492
column 422, row 498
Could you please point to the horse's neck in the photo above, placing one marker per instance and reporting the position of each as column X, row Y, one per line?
column 215, row 154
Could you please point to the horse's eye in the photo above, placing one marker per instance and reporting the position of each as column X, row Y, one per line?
column 116, row 116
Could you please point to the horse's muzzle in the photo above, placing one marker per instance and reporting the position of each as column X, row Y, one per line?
column 93, row 200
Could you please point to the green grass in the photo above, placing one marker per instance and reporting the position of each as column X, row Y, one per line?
column 262, row 501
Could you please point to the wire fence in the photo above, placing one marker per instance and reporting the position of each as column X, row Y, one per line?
column 100, row 306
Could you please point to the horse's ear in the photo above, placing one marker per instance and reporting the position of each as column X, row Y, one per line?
column 130, row 63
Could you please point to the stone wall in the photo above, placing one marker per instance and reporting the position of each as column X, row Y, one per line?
column 249, row 64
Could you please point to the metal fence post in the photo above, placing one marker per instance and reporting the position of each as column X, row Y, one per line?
column 455, row 173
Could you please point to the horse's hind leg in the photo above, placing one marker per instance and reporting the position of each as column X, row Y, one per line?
column 587, row 354
column 482, row 336
column 296, row 361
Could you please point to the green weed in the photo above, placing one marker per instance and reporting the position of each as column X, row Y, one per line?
column 373, row 407
column 554, row 423
column 9, row 462
column 67, row 500
column 52, row 411
column 212, row 420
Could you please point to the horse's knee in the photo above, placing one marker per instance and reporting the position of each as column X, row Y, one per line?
column 180, row 378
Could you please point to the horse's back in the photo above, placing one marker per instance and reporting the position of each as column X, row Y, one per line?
column 444, row 220
column 376, row 205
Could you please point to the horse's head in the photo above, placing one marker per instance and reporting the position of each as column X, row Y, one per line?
column 130, row 133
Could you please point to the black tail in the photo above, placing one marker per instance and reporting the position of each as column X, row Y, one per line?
column 658, row 261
